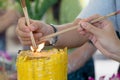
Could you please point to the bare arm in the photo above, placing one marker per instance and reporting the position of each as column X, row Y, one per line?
column 71, row 38
column 7, row 19
column 79, row 56
column 40, row 29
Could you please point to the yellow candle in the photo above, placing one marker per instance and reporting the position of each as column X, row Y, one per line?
column 52, row 67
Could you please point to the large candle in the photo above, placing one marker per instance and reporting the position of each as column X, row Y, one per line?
column 44, row 65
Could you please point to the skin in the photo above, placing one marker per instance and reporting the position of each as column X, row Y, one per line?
column 8, row 18
column 40, row 29
column 80, row 56
column 69, row 39
column 103, row 36
column 74, row 39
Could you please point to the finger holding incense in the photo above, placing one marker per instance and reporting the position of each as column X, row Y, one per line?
column 98, row 28
column 24, row 32
column 104, row 38
column 28, row 22
column 87, row 27
column 23, row 27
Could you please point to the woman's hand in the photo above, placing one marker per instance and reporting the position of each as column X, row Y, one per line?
column 38, row 28
column 103, row 36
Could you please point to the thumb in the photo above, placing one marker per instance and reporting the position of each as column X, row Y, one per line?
column 33, row 27
column 90, row 28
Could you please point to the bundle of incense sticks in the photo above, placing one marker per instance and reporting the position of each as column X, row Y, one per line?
column 75, row 27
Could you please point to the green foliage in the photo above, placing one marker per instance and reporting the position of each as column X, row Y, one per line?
column 69, row 10
column 17, row 7
column 44, row 7
column 3, row 4
column 37, row 8
column 49, row 17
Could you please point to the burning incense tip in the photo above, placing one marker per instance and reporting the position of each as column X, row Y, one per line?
column 23, row 3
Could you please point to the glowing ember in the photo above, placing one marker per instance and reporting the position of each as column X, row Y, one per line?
column 40, row 47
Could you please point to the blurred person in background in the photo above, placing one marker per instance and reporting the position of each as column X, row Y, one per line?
column 8, row 17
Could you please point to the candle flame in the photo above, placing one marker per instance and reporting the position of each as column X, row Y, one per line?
column 32, row 49
column 40, row 47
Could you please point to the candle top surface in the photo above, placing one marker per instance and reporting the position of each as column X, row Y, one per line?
column 42, row 54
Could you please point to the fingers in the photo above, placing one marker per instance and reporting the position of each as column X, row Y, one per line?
column 76, row 21
column 36, row 37
column 81, row 30
column 22, row 25
column 89, row 19
column 23, row 31
column 26, row 38
column 90, row 28
column 27, row 41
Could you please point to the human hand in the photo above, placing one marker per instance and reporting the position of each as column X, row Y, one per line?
column 38, row 28
column 102, row 34
column 8, row 18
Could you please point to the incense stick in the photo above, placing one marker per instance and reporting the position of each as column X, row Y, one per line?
column 28, row 22
column 75, row 27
